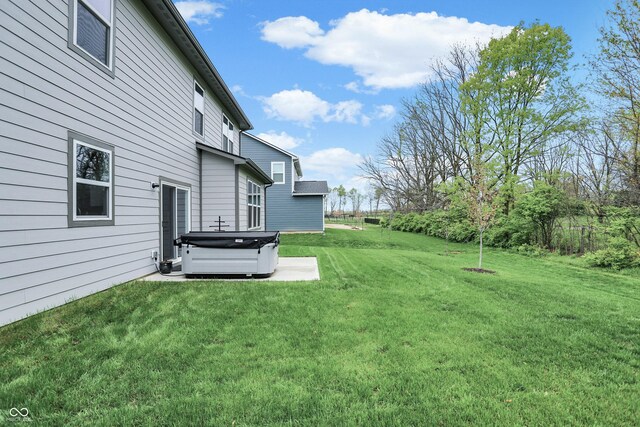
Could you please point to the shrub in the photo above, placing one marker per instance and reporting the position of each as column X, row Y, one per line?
column 531, row 250
column 618, row 255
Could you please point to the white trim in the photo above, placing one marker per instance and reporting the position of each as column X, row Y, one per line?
column 109, row 184
column 109, row 23
column 228, row 131
column 175, row 205
column 250, row 205
column 193, row 125
column 284, row 173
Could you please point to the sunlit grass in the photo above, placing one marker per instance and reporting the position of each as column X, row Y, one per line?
column 395, row 333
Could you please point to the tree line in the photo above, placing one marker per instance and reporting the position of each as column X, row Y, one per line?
column 503, row 140
column 341, row 201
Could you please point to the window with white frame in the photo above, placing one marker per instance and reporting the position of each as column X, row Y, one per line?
column 227, row 134
column 198, row 109
column 91, row 29
column 277, row 172
column 254, row 204
column 91, row 182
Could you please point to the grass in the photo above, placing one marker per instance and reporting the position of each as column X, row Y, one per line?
column 395, row 333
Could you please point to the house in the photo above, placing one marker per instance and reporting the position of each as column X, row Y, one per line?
column 294, row 205
column 117, row 134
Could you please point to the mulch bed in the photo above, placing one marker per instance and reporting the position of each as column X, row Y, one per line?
column 479, row 270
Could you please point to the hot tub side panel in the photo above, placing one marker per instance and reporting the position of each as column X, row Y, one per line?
column 197, row 260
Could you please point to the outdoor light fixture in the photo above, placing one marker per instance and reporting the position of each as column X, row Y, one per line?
column 154, row 185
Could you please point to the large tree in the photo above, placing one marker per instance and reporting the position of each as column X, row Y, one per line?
column 617, row 67
column 520, row 98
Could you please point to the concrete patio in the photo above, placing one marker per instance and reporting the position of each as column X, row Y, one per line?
column 290, row 269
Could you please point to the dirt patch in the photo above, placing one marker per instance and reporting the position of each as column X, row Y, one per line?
column 479, row 270
column 342, row 227
column 451, row 253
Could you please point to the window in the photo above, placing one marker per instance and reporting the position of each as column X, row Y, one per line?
column 198, row 109
column 254, row 205
column 91, row 30
column 277, row 172
column 227, row 134
column 90, row 182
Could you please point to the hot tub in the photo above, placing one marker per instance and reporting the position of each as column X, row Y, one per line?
column 229, row 253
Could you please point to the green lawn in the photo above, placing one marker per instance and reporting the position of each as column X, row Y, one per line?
column 395, row 333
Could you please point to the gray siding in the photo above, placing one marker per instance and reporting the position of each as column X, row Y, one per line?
column 284, row 211
column 218, row 192
column 145, row 112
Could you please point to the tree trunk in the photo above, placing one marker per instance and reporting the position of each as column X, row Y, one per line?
column 480, row 259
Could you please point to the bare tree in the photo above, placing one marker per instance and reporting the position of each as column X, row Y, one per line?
column 426, row 148
column 598, row 178
column 356, row 198
column 617, row 67
column 332, row 199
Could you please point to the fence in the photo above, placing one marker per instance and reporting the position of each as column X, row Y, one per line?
column 570, row 240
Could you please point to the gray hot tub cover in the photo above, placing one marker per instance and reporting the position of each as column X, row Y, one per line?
column 228, row 239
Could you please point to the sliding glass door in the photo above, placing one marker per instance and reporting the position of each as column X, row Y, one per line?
column 175, row 217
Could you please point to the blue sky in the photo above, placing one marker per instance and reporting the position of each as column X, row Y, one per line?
column 325, row 79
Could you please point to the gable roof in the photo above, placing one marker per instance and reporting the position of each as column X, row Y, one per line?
column 170, row 19
column 310, row 188
column 296, row 159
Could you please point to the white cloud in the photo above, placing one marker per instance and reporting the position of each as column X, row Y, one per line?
column 238, row 90
column 345, row 111
column 355, row 87
column 296, row 105
column 385, row 111
column 305, row 107
column 386, row 51
column 199, row 12
column 290, row 32
column 282, row 139
column 333, row 164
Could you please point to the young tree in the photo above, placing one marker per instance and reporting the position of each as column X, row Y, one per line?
column 481, row 198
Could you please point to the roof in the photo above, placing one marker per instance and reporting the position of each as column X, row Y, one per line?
column 170, row 19
column 310, row 188
column 237, row 160
column 296, row 159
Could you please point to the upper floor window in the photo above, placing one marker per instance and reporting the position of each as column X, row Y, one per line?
column 198, row 109
column 91, row 182
column 227, row 134
column 92, row 26
column 277, row 172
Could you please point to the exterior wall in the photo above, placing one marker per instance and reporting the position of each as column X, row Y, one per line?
column 309, row 214
column 284, row 211
column 218, row 192
column 145, row 112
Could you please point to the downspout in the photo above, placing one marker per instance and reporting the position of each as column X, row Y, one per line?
column 237, row 197
column 200, row 184
column 265, row 205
